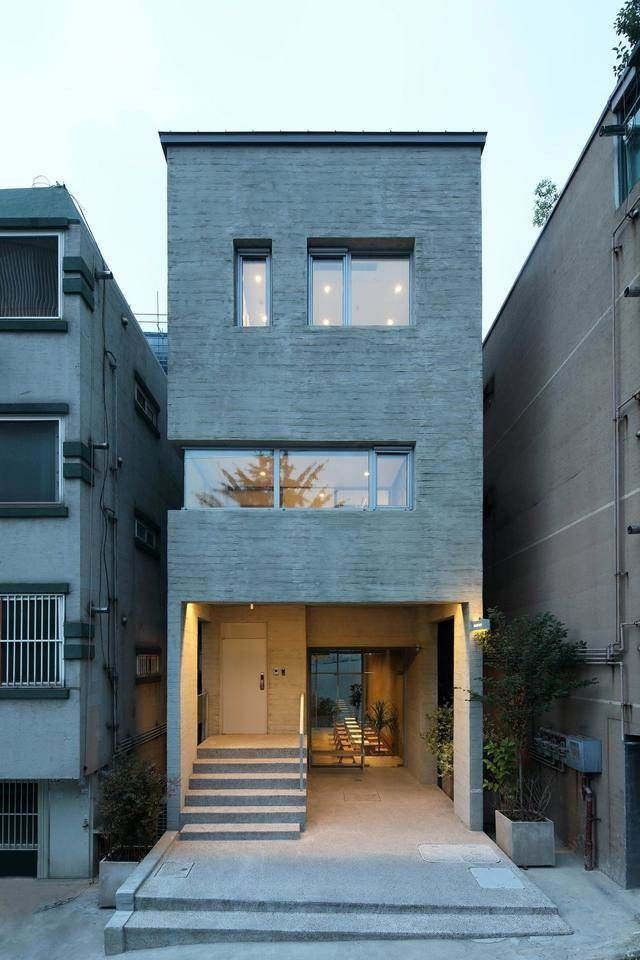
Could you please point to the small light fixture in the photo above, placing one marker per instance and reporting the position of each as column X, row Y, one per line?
column 327, row 288
column 264, row 318
column 258, row 278
column 251, row 606
column 263, row 473
column 390, row 321
column 326, row 322
column 398, row 288
column 366, row 473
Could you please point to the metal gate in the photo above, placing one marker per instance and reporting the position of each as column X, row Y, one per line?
column 18, row 827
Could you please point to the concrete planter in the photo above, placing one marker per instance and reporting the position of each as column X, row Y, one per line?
column 528, row 844
column 112, row 874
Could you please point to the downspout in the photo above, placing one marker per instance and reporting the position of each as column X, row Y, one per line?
column 589, row 821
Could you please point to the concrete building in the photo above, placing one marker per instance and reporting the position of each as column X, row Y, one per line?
column 325, row 381
column 86, row 477
column 562, row 466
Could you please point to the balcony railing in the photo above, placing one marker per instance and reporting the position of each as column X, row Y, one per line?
column 31, row 640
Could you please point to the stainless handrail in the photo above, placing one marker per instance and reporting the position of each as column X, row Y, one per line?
column 301, row 732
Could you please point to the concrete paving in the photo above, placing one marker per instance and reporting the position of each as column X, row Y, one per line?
column 61, row 920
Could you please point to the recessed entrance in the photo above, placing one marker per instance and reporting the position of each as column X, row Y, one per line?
column 356, row 702
column 244, row 671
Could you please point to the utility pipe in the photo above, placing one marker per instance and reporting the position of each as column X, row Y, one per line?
column 589, row 822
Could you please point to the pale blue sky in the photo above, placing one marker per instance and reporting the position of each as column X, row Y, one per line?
column 87, row 85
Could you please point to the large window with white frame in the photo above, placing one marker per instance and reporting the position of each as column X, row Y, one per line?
column 359, row 289
column 31, row 640
column 30, row 276
column 253, row 295
column 30, row 468
column 377, row 478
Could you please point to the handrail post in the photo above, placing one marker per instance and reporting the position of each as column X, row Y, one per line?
column 301, row 732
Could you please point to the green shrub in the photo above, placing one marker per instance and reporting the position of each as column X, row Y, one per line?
column 131, row 795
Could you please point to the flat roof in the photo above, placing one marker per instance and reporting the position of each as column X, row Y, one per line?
column 318, row 138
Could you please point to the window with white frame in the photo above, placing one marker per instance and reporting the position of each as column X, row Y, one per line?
column 358, row 289
column 30, row 460
column 253, row 296
column 147, row 665
column 31, row 640
column 378, row 478
column 146, row 404
column 145, row 532
column 29, row 275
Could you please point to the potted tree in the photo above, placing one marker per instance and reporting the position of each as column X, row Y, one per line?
column 439, row 741
column 529, row 664
column 382, row 716
column 129, row 808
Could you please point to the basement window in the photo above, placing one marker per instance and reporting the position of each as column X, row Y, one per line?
column 30, row 276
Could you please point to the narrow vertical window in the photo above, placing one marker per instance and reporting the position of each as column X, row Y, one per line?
column 254, row 289
column 327, row 285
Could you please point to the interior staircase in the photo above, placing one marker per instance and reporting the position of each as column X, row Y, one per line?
column 245, row 793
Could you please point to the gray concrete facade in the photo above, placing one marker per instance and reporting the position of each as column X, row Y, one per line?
column 85, row 363
column 564, row 344
column 292, row 383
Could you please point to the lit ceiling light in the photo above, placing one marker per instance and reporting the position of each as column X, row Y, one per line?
column 366, row 473
column 326, row 322
column 327, row 288
column 264, row 318
column 398, row 288
column 263, row 473
column 390, row 321
column 258, row 278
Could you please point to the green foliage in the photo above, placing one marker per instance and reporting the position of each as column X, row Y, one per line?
column 439, row 738
column 529, row 664
column 627, row 25
column 501, row 768
column 382, row 716
column 129, row 805
column 546, row 197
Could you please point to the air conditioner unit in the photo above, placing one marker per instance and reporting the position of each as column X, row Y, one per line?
column 583, row 754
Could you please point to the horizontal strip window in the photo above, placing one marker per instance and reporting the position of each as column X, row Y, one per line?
column 30, row 460
column 357, row 289
column 30, row 276
column 31, row 640
column 294, row 478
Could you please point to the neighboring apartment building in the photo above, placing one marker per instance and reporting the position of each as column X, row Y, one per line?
column 325, row 385
column 86, row 478
column 562, row 468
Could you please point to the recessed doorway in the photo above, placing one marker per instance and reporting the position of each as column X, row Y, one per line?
column 244, row 678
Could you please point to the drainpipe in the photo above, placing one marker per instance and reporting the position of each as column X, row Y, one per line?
column 589, row 822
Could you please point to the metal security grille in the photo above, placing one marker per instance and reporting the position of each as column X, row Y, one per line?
column 31, row 640
column 18, row 815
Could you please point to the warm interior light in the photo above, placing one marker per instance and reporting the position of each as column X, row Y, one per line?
column 327, row 288
column 326, row 322
column 263, row 473
column 366, row 473
column 390, row 321
column 264, row 318
column 258, row 278
column 397, row 288
column 251, row 606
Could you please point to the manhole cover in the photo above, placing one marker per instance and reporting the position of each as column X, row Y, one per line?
column 457, row 853
column 496, row 878
column 355, row 796
column 171, row 868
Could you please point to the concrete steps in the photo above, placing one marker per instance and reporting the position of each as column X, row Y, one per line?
column 164, row 928
column 244, row 793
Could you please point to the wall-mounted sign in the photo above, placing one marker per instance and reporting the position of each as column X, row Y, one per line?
column 478, row 625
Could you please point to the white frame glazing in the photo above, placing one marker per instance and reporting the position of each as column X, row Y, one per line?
column 41, row 233
column 347, row 256
column 31, row 418
column 256, row 254
column 277, row 452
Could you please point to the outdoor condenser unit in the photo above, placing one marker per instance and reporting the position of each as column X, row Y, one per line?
column 583, row 754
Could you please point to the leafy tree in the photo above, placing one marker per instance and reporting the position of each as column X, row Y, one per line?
column 627, row 25
column 529, row 663
column 546, row 197
column 254, row 485
column 439, row 738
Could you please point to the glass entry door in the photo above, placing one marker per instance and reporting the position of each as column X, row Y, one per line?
column 336, row 698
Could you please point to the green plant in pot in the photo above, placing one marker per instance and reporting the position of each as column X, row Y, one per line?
column 529, row 664
column 131, row 795
column 382, row 716
column 439, row 742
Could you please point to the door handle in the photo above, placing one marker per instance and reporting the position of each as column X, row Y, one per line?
column 262, row 681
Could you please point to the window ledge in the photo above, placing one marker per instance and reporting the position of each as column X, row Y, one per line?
column 34, row 693
column 39, row 325
column 26, row 510
column 153, row 678
column 147, row 419
column 141, row 545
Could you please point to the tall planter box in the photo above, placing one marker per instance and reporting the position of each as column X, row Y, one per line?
column 527, row 843
column 111, row 875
